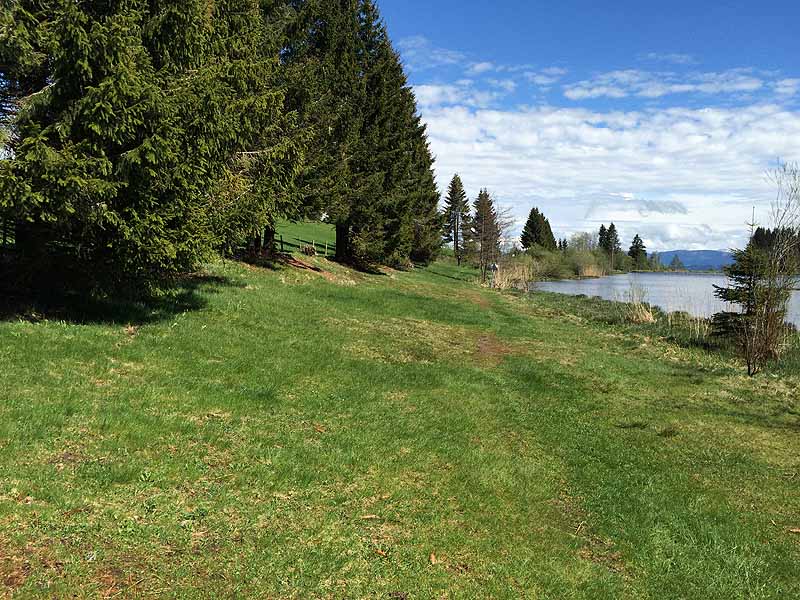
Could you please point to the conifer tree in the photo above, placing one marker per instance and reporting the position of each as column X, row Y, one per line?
column 537, row 232
column 144, row 110
column 609, row 239
column 486, row 232
column 638, row 252
column 602, row 239
column 456, row 217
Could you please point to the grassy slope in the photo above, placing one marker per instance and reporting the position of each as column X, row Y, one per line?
column 339, row 435
column 296, row 235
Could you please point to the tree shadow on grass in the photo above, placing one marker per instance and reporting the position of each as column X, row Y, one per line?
column 465, row 277
column 172, row 297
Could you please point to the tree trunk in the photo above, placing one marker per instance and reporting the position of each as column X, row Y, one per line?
column 269, row 242
column 29, row 239
column 342, row 241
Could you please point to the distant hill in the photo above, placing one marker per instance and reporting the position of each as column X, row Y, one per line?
column 699, row 260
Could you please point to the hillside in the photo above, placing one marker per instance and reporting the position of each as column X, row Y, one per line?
column 307, row 431
column 699, row 260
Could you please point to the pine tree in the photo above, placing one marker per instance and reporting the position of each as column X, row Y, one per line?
column 531, row 233
column 327, row 88
column 369, row 165
column 486, row 232
column 456, row 217
column 537, row 232
column 147, row 110
column 602, row 240
column 613, row 246
column 638, row 252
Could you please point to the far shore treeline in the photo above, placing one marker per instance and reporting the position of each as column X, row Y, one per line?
column 140, row 138
column 581, row 255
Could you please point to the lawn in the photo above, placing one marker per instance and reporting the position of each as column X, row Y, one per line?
column 321, row 433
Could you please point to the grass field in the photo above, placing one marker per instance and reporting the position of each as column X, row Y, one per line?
column 294, row 236
column 321, row 433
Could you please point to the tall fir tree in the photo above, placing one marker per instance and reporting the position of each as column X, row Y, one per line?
column 143, row 109
column 538, row 232
column 609, row 242
column 638, row 253
column 602, row 238
column 485, row 232
column 456, row 217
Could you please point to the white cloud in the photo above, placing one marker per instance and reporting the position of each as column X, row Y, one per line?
column 787, row 87
column 545, row 77
column 680, row 177
column 420, row 54
column 432, row 96
column 506, row 85
column 480, row 68
column 644, row 84
column 673, row 57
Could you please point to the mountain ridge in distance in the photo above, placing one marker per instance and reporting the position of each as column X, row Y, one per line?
column 699, row 260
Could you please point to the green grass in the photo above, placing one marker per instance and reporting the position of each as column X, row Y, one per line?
column 285, row 433
column 307, row 233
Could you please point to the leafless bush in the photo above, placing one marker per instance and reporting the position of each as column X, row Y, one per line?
column 764, row 277
column 639, row 310
column 515, row 275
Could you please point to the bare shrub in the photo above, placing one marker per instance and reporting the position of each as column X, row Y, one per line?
column 763, row 278
column 638, row 310
column 518, row 274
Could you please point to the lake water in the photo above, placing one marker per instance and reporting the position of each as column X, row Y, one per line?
column 688, row 292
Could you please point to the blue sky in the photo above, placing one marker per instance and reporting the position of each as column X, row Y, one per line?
column 663, row 117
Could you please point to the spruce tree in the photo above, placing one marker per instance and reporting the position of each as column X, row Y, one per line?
column 602, row 239
column 531, row 233
column 147, row 109
column 613, row 246
column 547, row 240
column 456, row 217
column 486, row 232
column 638, row 252
column 537, row 232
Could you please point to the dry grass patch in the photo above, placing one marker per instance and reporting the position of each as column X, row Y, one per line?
column 14, row 570
column 401, row 341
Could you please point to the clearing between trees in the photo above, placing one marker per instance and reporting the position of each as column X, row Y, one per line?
column 288, row 433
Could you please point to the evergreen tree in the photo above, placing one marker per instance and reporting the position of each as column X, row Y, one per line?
column 370, row 167
column 537, row 232
column 485, row 232
column 531, row 233
column 602, row 240
column 638, row 252
column 143, row 111
column 456, row 217
column 613, row 247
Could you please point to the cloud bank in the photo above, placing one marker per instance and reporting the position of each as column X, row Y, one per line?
column 679, row 177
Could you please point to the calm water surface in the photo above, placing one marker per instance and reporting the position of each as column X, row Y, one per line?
column 689, row 292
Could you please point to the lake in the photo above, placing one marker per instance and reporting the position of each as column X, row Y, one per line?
column 688, row 292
